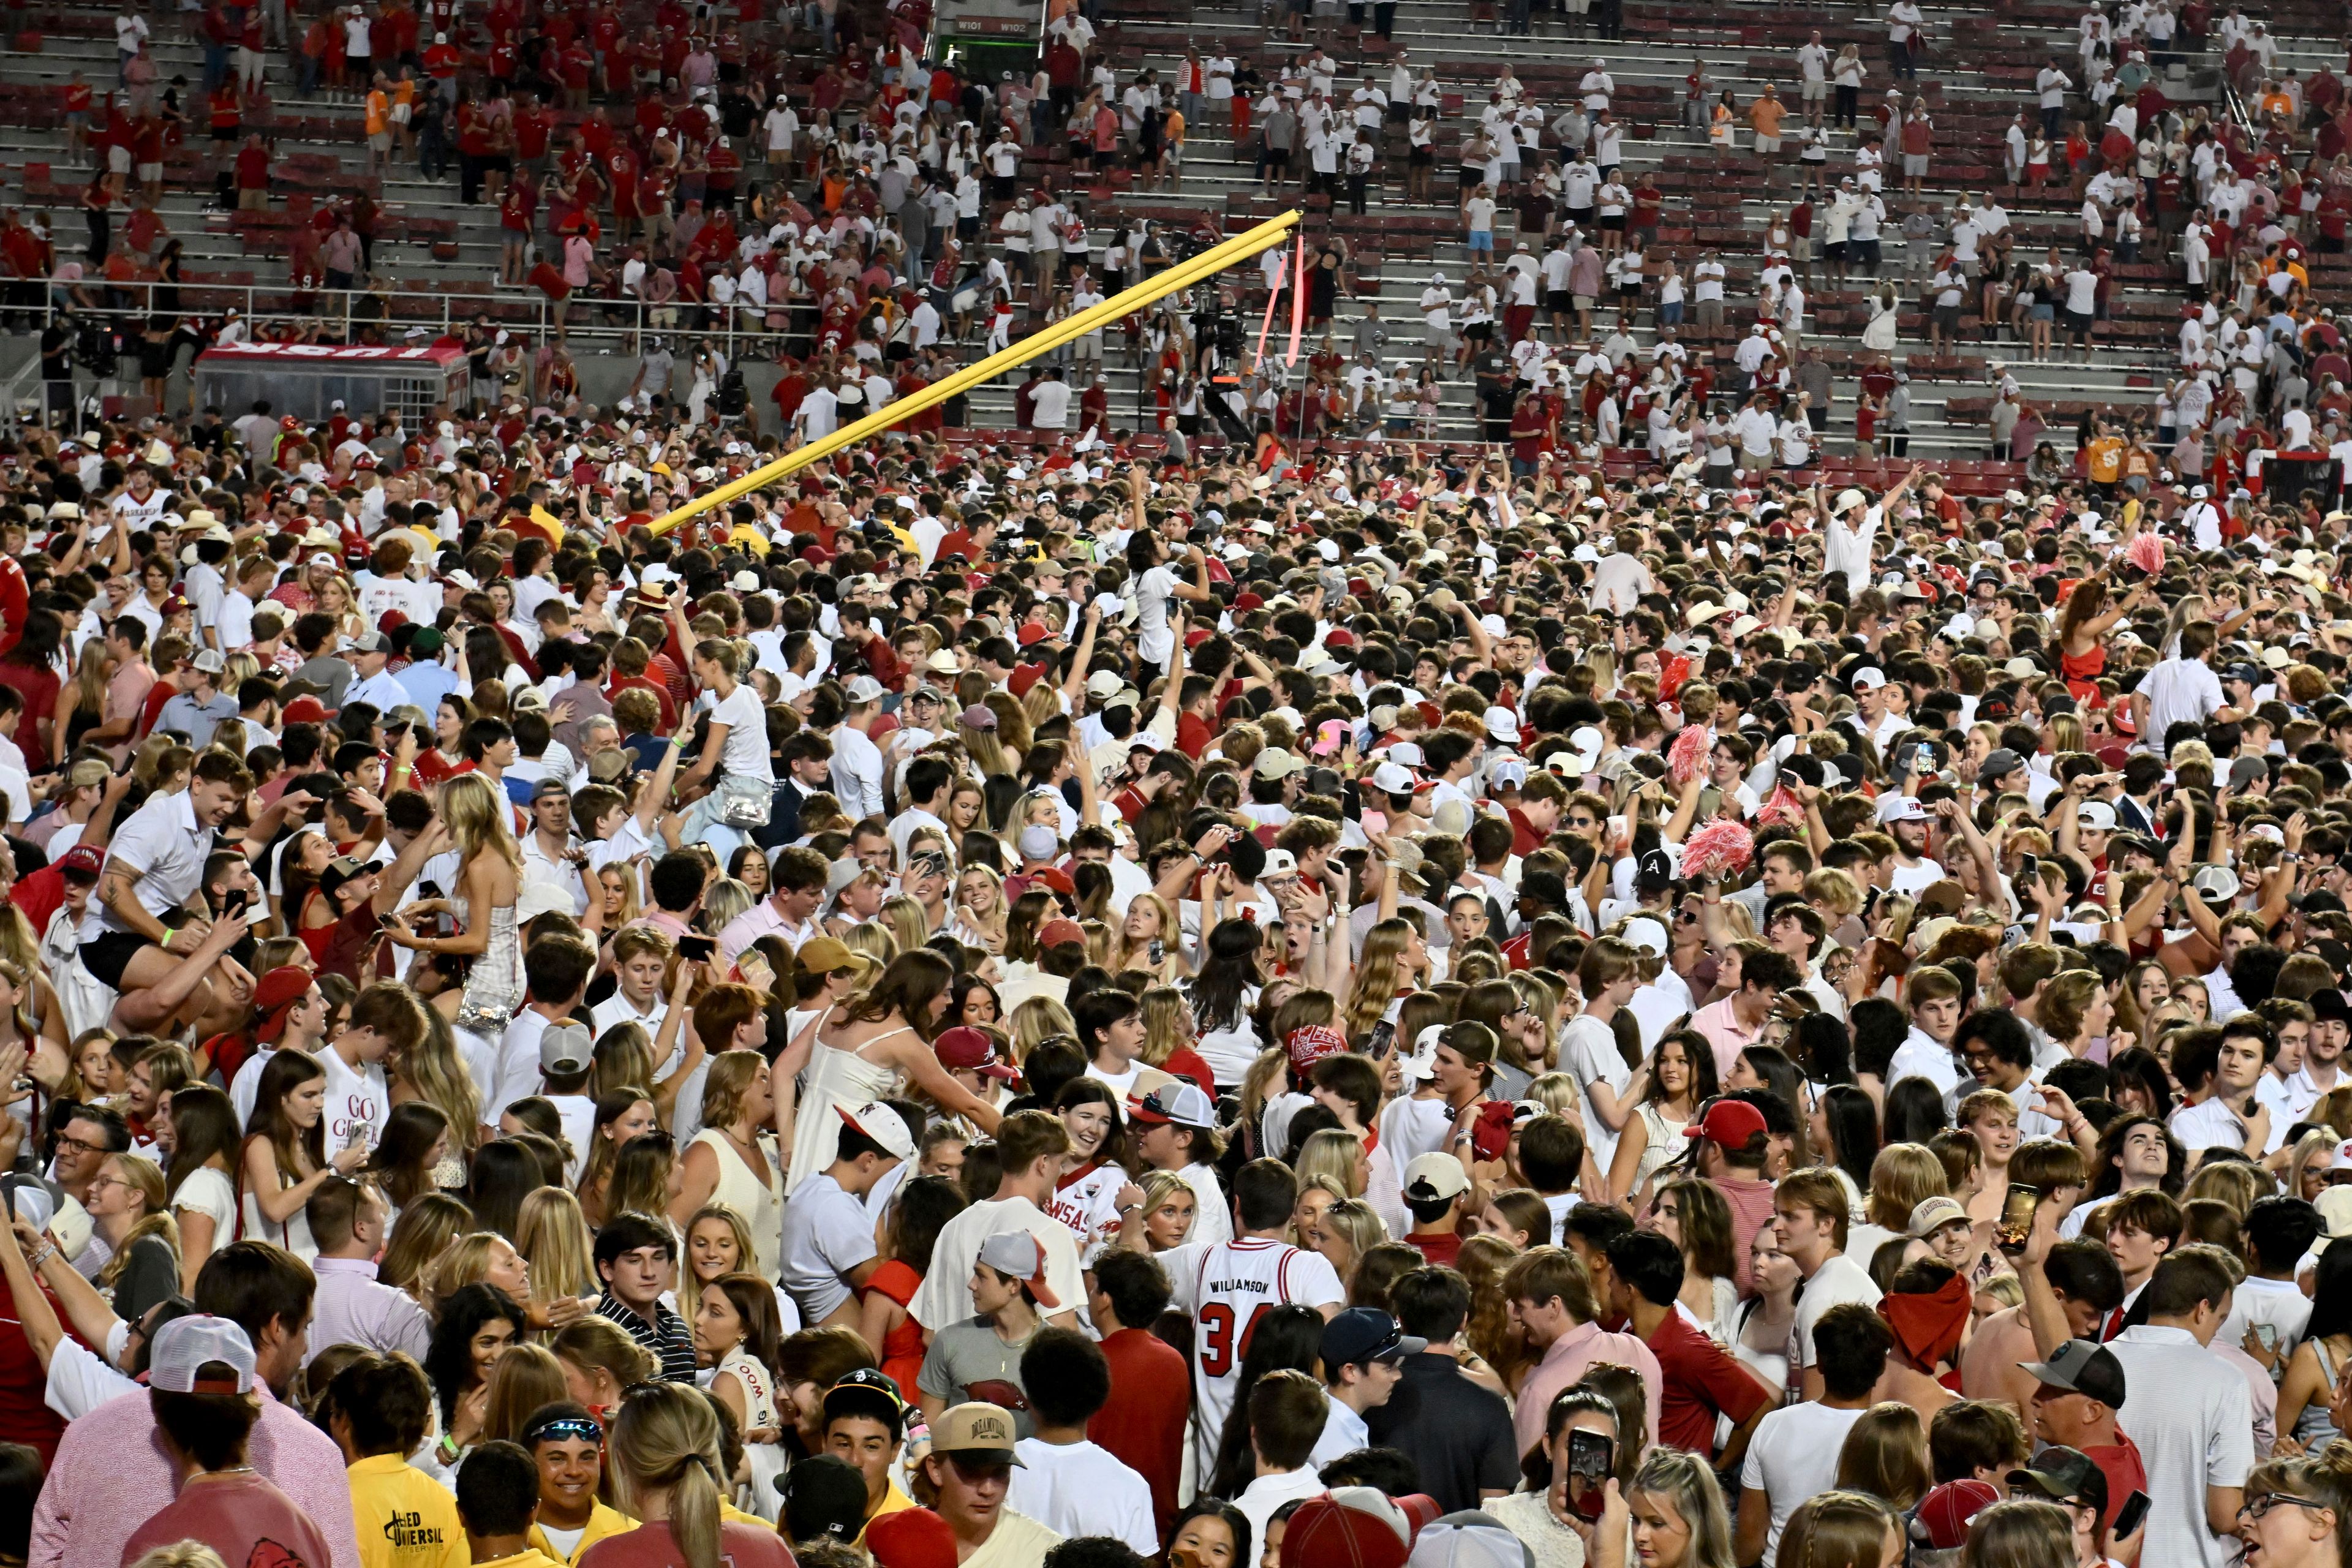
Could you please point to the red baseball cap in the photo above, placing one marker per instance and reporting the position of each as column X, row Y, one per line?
column 911, row 1538
column 1945, row 1512
column 1351, row 1526
column 1054, row 933
column 1730, row 1122
column 274, row 997
column 970, row 1050
column 306, row 710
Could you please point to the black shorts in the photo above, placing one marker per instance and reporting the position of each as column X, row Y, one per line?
column 2077, row 322
column 226, row 133
column 1613, row 223
column 111, row 954
column 1629, row 291
column 1579, row 216
column 1833, row 249
column 1423, row 156
column 1558, row 302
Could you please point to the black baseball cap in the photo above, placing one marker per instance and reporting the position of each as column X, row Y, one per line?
column 2329, row 1004
column 2083, row 1367
column 824, row 1497
column 1362, row 1334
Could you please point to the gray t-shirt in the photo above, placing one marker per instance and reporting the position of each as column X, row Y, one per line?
column 971, row 1352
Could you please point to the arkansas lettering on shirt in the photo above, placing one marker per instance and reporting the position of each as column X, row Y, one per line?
column 247, row 1521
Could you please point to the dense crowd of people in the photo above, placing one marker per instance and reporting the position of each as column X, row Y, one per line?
column 1092, row 1002
column 1033, row 1005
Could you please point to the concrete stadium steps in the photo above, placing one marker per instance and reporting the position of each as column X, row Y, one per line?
column 1741, row 46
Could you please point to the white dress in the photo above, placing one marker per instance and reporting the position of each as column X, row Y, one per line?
column 834, row 1078
column 494, row 985
column 294, row 1236
column 760, row 1202
column 1662, row 1141
column 766, row 1460
column 1878, row 336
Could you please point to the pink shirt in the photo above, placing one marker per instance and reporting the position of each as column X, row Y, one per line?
column 1723, row 1031
column 1566, row 1360
column 111, row 1476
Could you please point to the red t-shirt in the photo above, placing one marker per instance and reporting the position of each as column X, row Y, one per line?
column 2126, row 1473
column 653, row 1546
column 1701, row 1378
column 1143, row 1425
column 1442, row 1248
column 244, row 1518
column 1192, row 735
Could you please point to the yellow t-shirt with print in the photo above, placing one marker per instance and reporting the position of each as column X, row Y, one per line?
column 405, row 1519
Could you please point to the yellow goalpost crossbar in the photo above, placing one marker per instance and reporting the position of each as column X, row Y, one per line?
column 1232, row 252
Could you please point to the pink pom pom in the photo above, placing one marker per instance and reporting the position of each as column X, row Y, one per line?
column 1721, row 848
column 1686, row 758
column 2147, row 552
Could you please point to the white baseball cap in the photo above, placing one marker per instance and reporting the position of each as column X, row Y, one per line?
column 186, row 1349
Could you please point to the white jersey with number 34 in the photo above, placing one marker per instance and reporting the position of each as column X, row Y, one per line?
column 1228, row 1286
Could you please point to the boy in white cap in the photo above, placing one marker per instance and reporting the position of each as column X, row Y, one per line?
column 828, row 1241
column 200, row 1386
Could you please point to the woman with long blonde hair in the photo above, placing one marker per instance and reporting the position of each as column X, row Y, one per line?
column 1150, row 923
column 431, row 1070
column 1037, row 1020
column 476, row 821
column 976, row 728
column 734, row 1160
column 83, row 704
column 666, row 1470
column 904, row 918
column 981, row 910
column 131, row 1215
column 723, row 901
column 1350, row 1229
column 1393, row 960
column 552, row 1237
column 872, row 939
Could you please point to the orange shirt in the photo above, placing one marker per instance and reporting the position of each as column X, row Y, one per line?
column 379, row 112
column 1766, row 114
column 2106, row 459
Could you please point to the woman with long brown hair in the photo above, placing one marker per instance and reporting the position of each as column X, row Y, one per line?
column 2083, row 622
column 868, row 1049
column 201, row 1184
column 285, row 1157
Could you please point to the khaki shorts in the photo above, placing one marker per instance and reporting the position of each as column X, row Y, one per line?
column 1767, row 144
column 1816, row 91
